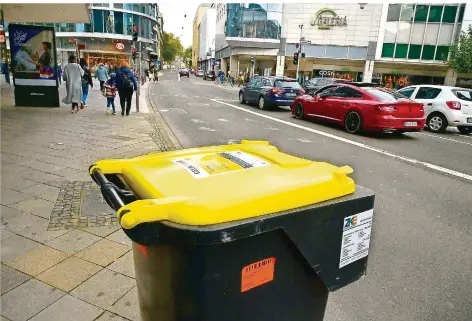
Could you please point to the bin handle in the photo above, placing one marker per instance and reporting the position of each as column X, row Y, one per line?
column 115, row 197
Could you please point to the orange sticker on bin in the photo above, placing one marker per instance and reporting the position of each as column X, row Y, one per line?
column 257, row 273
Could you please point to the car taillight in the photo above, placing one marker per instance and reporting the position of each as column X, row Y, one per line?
column 387, row 109
column 276, row 90
column 302, row 91
column 454, row 105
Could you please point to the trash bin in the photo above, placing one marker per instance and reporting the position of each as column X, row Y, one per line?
column 238, row 232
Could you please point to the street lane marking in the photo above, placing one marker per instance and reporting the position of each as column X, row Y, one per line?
column 358, row 144
column 452, row 140
column 460, row 135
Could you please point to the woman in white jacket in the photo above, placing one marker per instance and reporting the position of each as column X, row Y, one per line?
column 73, row 77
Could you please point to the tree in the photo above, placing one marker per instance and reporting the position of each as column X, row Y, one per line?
column 171, row 47
column 188, row 55
column 460, row 54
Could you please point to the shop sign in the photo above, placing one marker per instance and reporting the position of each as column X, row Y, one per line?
column 2, row 36
column 326, row 18
column 120, row 46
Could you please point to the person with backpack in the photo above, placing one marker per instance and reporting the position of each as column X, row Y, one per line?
column 86, row 81
column 125, row 83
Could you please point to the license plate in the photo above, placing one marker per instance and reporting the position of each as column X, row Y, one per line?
column 411, row 124
column 469, row 120
column 290, row 94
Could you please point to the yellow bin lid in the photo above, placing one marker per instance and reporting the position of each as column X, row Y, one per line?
column 217, row 184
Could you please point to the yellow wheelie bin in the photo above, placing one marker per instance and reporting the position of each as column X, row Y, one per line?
column 238, row 232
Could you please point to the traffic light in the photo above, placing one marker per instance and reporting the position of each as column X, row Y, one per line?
column 295, row 58
column 135, row 33
column 134, row 52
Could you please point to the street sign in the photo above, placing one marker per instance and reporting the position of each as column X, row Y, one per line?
column 297, row 45
column 119, row 46
column 307, row 42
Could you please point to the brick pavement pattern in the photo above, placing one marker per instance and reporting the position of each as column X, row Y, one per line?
column 81, row 268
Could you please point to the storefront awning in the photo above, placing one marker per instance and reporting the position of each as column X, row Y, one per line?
column 46, row 12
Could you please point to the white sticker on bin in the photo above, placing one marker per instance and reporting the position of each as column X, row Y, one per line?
column 356, row 237
column 244, row 160
column 194, row 170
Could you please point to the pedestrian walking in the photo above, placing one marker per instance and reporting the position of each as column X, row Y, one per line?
column 5, row 71
column 101, row 74
column 125, row 83
column 59, row 73
column 241, row 79
column 86, row 81
column 110, row 93
column 73, row 77
column 156, row 73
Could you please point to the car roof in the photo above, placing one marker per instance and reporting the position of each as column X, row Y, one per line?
column 438, row 86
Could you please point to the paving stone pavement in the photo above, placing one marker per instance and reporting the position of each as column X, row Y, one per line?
column 76, row 263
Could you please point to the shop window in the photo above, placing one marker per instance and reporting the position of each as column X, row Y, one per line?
column 428, row 52
column 421, row 13
column 431, row 36
column 441, row 53
column 417, row 33
column 415, row 52
column 407, row 12
column 445, row 35
column 401, row 51
column 435, row 13
column 97, row 21
column 387, row 50
column 427, row 93
column 390, row 31
column 449, row 15
column 393, row 12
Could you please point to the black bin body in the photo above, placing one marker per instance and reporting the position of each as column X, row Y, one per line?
column 213, row 273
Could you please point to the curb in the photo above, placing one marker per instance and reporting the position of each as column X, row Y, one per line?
column 163, row 136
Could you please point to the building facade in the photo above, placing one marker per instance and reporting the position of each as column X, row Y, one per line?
column 391, row 43
column 108, row 36
column 207, row 30
column 196, row 34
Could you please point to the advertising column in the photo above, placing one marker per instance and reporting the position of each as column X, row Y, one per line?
column 34, row 61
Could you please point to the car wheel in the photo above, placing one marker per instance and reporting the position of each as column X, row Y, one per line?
column 437, row 123
column 262, row 104
column 298, row 113
column 241, row 98
column 353, row 122
column 465, row 129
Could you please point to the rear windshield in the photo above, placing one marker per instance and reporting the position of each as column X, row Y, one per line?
column 385, row 95
column 464, row 94
column 287, row 84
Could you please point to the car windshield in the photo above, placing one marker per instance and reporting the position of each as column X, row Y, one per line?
column 287, row 84
column 385, row 95
column 464, row 94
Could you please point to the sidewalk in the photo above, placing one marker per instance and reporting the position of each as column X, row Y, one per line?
column 63, row 255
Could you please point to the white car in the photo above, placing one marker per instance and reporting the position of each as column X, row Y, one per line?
column 200, row 73
column 443, row 106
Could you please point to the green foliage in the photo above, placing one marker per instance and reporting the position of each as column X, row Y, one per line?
column 188, row 52
column 460, row 54
column 171, row 47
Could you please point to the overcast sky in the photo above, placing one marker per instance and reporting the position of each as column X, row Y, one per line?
column 173, row 12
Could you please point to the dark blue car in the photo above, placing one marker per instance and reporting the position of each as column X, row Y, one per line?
column 269, row 92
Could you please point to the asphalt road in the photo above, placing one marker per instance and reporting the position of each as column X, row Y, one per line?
column 420, row 260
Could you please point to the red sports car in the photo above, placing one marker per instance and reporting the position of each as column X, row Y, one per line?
column 360, row 107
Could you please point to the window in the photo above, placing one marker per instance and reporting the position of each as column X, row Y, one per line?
column 449, row 15
column 401, row 51
column 431, row 36
column 427, row 93
column 407, row 92
column 428, row 52
column 329, row 91
column 435, row 13
column 265, row 82
column 415, row 52
column 384, row 95
column 408, row 11
column 387, row 50
column 252, row 82
column 441, row 53
column 393, row 12
column 118, row 22
column 347, row 92
column 417, row 33
column 403, row 35
column 461, row 13
column 287, row 84
column 421, row 13
column 118, row 5
column 390, row 32
column 463, row 94
column 97, row 21
column 445, row 34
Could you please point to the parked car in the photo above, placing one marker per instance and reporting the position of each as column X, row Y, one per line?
column 200, row 73
column 362, row 107
column 184, row 72
column 209, row 75
column 269, row 92
column 314, row 84
column 444, row 106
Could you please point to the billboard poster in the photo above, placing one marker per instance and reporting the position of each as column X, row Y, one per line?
column 34, row 65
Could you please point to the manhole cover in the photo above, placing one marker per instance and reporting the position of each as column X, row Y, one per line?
column 80, row 205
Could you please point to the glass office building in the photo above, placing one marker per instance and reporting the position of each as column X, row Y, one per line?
column 108, row 36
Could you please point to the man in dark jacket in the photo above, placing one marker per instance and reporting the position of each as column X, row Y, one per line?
column 125, row 83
